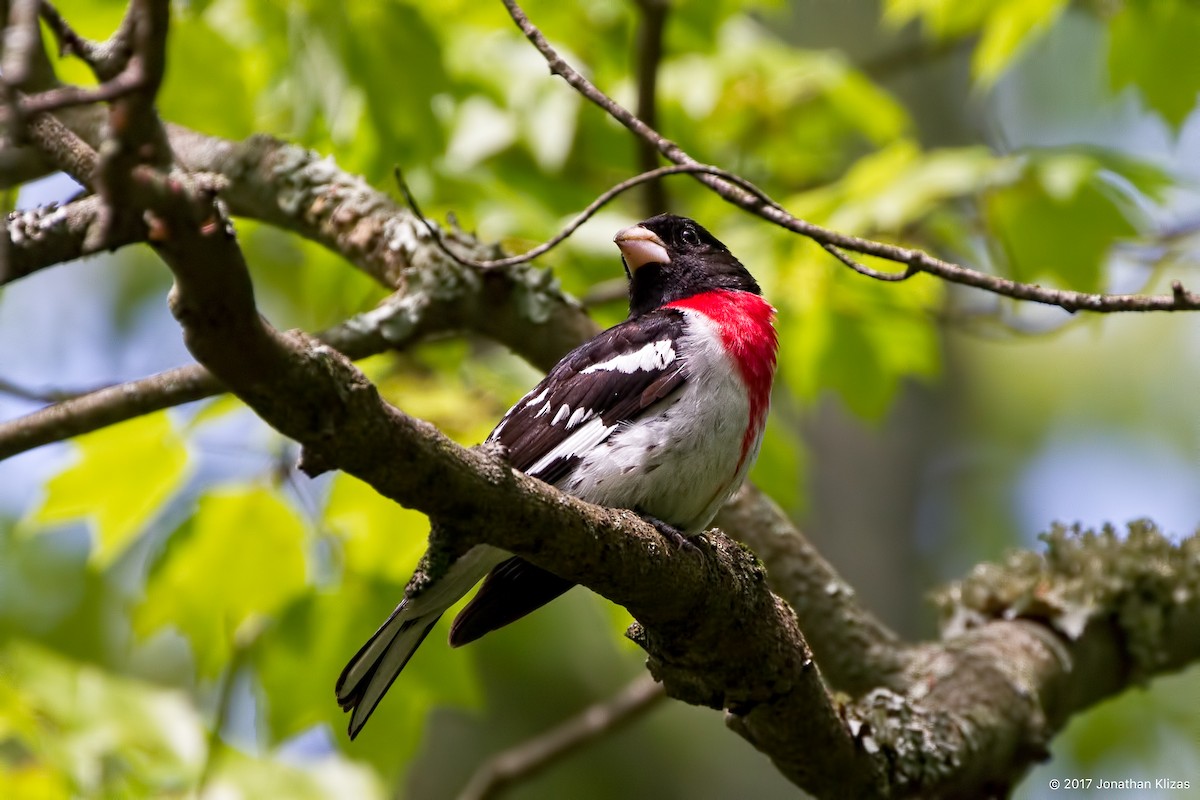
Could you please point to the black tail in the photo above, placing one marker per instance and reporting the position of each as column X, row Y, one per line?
column 509, row 592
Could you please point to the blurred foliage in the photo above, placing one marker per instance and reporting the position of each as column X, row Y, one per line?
column 158, row 588
column 117, row 510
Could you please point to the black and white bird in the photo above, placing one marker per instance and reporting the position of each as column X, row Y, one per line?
column 662, row 414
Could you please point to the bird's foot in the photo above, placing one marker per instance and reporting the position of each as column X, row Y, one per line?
column 670, row 533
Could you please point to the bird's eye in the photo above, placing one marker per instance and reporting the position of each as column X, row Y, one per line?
column 690, row 237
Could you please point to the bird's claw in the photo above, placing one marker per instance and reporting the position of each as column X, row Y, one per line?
column 672, row 534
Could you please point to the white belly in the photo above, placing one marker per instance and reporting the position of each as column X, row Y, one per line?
column 683, row 458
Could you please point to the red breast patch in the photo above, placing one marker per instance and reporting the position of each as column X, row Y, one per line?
column 744, row 321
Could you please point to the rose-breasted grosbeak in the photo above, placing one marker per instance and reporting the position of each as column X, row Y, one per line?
column 662, row 414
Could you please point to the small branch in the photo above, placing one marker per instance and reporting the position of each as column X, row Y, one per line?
column 135, row 135
column 532, row 757
column 649, row 56
column 104, row 407
column 106, row 59
column 397, row 322
column 67, row 96
column 583, row 216
column 914, row 260
column 22, row 44
column 863, row 269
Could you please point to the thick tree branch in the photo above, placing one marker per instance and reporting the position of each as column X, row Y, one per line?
column 688, row 604
column 856, row 651
column 969, row 715
column 961, row 717
column 49, row 235
column 426, row 308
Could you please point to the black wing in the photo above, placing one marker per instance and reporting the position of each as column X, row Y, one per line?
column 607, row 381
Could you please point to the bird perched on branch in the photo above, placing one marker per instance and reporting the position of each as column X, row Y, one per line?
column 662, row 414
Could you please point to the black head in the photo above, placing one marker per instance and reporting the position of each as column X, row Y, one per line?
column 668, row 258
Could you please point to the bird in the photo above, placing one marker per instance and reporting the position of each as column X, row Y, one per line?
column 662, row 414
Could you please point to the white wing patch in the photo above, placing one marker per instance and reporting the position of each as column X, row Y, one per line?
column 527, row 401
column 533, row 401
column 583, row 440
column 573, row 418
column 654, row 356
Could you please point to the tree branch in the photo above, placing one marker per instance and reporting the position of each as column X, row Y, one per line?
column 856, row 651
column 423, row 310
column 605, row 197
column 688, row 605
column 972, row 712
column 914, row 261
column 964, row 716
column 106, row 59
column 532, row 757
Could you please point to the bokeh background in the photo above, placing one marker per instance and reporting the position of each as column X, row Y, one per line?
column 176, row 601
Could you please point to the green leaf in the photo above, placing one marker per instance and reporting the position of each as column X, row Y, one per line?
column 326, row 778
column 1152, row 46
column 1010, row 28
column 102, row 735
column 1006, row 27
column 780, row 469
column 209, row 85
column 123, row 475
column 942, row 18
column 1060, row 221
column 312, row 643
column 859, row 337
column 240, row 559
column 379, row 537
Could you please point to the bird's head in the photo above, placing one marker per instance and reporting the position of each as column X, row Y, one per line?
column 668, row 258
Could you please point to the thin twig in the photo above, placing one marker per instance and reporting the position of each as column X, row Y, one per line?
column 863, row 269
column 67, row 96
column 914, row 260
column 537, row 754
column 583, row 216
column 105, row 59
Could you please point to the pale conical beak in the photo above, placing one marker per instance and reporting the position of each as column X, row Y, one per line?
column 641, row 246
